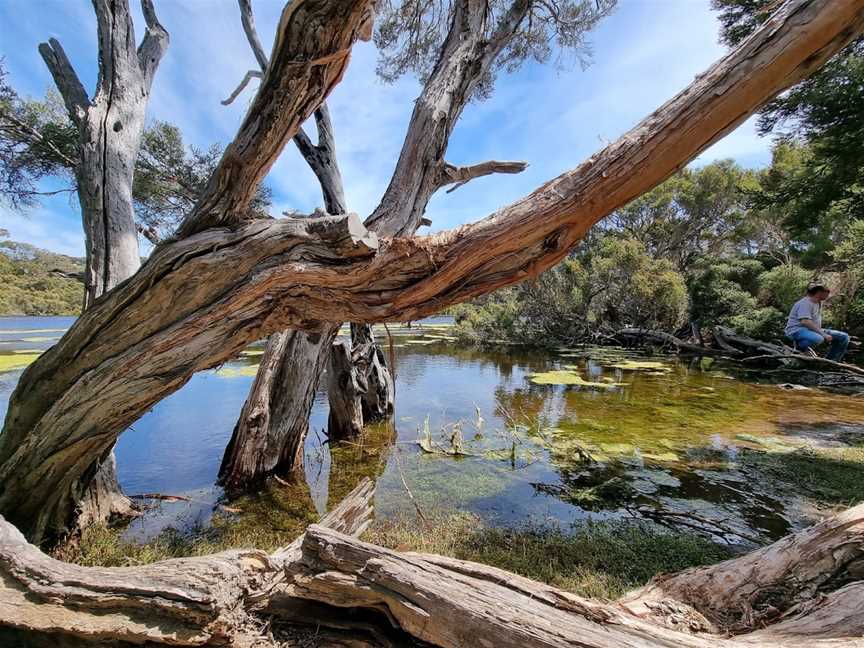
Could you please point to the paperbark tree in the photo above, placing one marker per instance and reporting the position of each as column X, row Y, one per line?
column 109, row 127
column 200, row 300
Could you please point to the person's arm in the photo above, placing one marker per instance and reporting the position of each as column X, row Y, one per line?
column 808, row 323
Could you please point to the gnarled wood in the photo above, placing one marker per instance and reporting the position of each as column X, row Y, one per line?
column 197, row 601
column 378, row 399
column 219, row 599
column 227, row 288
column 313, row 44
column 345, row 389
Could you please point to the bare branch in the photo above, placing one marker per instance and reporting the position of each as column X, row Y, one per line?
column 248, row 21
column 310, row 36
column 70, row 87
column 154, row 44
column 149, row 233
column 464, row 174
column 251, row 74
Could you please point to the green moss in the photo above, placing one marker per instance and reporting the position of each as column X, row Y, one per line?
column 601, row 560
column 641, row 365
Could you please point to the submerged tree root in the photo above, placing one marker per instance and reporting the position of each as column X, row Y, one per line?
column 804, row 590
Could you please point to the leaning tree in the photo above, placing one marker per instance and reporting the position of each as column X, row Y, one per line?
column 230, row 277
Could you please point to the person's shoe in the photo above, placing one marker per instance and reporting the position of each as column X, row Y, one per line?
column 811, row 352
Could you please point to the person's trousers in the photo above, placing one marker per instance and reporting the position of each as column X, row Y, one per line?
column 805, row 338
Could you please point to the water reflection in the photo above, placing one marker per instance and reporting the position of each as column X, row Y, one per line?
column 679, row 442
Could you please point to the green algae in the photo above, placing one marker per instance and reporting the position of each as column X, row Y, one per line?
column 17, row 360
column 235, row 371
column 571, row 378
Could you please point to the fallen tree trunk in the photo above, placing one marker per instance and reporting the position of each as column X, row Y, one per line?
column 199, row 301
column 668, row 340
column 802, row 591
column 197, row 601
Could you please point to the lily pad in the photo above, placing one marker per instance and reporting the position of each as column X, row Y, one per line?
column 562, row 377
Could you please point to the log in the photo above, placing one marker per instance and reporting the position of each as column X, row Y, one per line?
column 782, row 581
column 327, row 576
column 668, row 340
column 182, row 602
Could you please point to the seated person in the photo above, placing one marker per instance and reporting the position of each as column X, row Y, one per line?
column 804, row 325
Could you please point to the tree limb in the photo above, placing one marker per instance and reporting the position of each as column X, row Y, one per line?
column 462, row 175
column 66, row 80
column 248, row 21
column 311, row 52
column 153, row 45
column 251, row 74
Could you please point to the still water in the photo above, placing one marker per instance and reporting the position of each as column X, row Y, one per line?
column 512, row 435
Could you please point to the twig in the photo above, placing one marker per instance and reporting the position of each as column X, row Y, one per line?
column 408, row 490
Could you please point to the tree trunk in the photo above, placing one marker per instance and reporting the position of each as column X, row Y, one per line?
column 345, row 388
column 378, row 399
column 200, row 300
column 269, row 434
column 802, row 591
column 109, row 136
column 465, row 58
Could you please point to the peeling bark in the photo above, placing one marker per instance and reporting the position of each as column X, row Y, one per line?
column 198, row 301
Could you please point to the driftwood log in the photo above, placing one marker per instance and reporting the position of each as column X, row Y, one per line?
column 805, row 590
column 812, row 370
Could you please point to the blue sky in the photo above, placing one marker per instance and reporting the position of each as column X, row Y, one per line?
column 643, row 54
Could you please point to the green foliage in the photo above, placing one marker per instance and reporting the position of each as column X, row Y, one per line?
column 783, row 285
column 612, row 282
column 28, row 287
column 697, row 212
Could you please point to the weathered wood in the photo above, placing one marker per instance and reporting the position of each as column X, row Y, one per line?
column 183, row 602
column 310, row 55
column 378, row 399
column 269, row 433
column 219, row 599
column 345, row 389
column 783, row 581
column 198, row 301
column 110, row 128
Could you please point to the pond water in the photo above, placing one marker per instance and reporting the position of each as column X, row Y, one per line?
column 515, row 436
